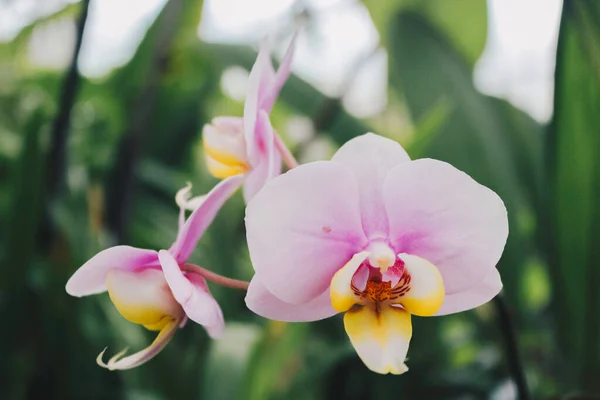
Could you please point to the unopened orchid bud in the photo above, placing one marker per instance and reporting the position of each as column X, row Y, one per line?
column 225, row 147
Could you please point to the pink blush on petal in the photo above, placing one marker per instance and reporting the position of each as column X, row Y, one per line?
column 361, row 276
column 394, row 273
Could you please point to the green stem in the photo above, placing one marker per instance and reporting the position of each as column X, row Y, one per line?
column 509, row 332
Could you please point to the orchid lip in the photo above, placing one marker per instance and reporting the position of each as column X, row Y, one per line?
column 378, row 305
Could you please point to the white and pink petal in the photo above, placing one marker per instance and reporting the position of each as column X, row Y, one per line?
column 302, row 227
column 441, row 214
column 264, row 303
column 90, row 278
column 192, row 293
column 223, row 139
column 268, row 164
column 201, row 218
column 370, row 157
column 477, row 295
column 261, row 76
column 268, row 97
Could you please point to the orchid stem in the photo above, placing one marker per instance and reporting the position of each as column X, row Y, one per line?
column 286, row 154
column 515, row 364
column 216, row 278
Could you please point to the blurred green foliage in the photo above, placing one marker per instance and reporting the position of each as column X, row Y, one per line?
column 145, row 120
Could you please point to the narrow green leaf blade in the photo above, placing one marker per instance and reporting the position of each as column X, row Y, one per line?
column 573, row 143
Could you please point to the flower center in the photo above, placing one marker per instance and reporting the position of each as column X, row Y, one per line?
column 378, row 291
column 381, row 287
column 411, row 283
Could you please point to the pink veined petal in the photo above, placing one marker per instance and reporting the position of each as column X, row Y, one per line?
column 302, row 227
column 200, row 219
column 264, row 303
column 269, row 162
column 393, row 275
column 444, row 216
column 90, row 278
column 261, row 74
column 477, row 295
column 370, row 157
column 190, row 290
column 283, row 72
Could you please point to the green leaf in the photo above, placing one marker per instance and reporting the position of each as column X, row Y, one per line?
column 427, row 128
column 21, row 234
column 464, row 22
column 26, row 209
column 573, row 143
column 15, row 47
column 275, row 360
column 227, row 361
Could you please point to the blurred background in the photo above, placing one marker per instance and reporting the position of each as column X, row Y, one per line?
column 101, row 108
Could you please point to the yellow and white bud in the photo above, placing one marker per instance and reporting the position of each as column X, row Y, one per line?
column 225, row 147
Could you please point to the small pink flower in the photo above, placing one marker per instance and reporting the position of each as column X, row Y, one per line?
column 377, row 236
column 150, row 288
column 249, row 145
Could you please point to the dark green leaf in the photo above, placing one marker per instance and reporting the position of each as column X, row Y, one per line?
column 574, row 195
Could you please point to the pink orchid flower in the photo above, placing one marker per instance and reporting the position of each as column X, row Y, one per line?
column 158, row 289
column 377, row 236
column 249, row 145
